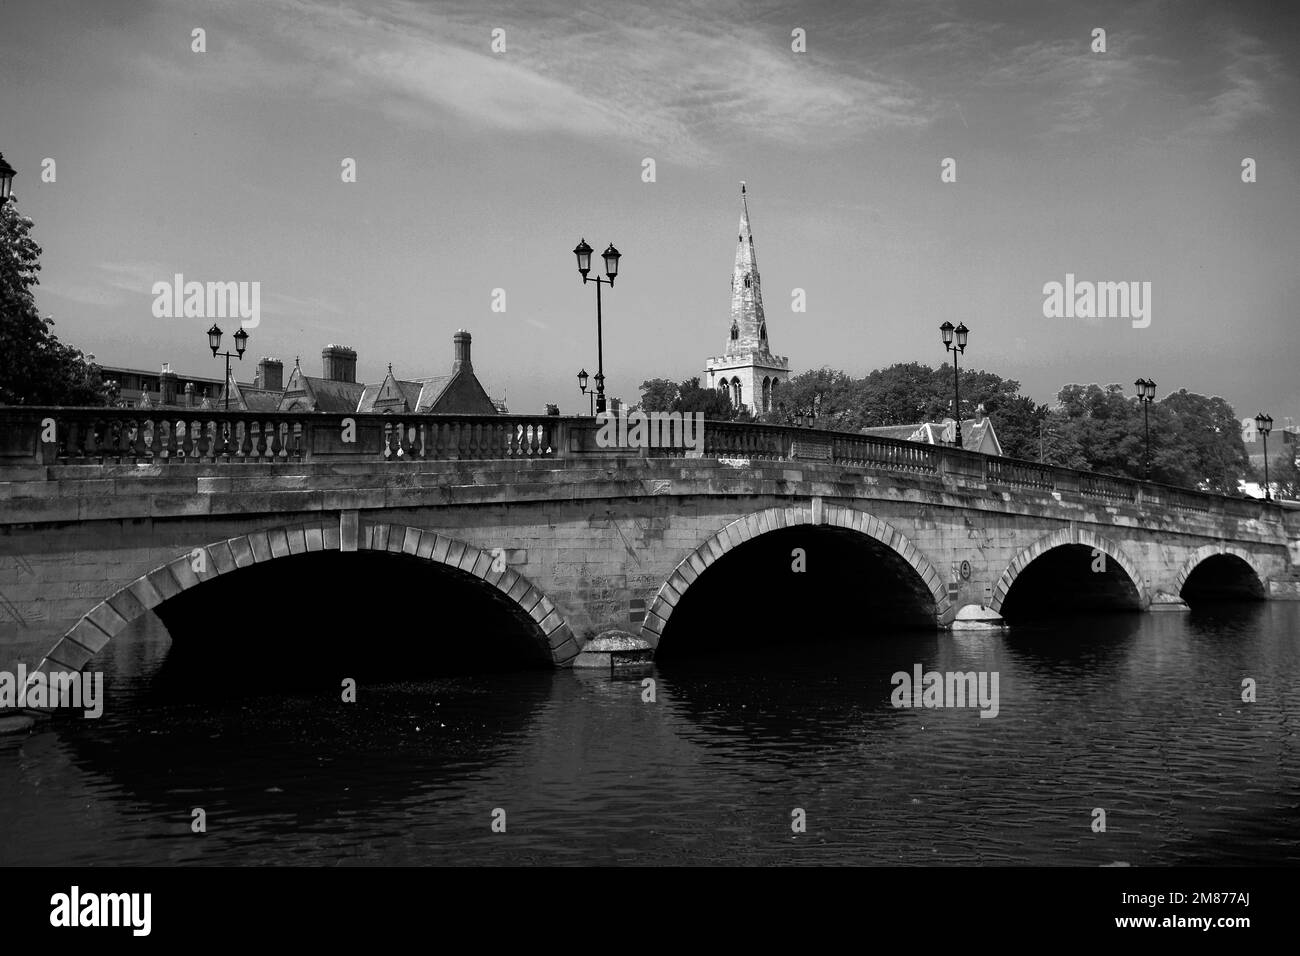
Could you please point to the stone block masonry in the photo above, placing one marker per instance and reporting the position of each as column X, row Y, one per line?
column 585, row 547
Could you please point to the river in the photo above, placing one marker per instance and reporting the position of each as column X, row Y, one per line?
column 1139, row 715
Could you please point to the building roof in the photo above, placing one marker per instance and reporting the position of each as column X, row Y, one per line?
column 900, row 432
column 250, row 398
column 431, row 389
column 420, row 395
column 973, row 433
column 323, row 394
column 109, row 370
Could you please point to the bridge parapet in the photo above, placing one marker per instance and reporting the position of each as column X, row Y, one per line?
column 36, row 441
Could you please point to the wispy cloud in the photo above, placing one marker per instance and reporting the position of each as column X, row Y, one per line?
column 674, row 78
column 1248, row 76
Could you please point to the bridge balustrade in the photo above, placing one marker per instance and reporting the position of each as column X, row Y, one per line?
column 33, row 438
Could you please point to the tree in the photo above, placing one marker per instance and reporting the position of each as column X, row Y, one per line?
column 1195, row 441
column 35, row 367
column 1203, row 448
column 1284, row 476
column 658, row 395
column 661, row 395
column 713, row 402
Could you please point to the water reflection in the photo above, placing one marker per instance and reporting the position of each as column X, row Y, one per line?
column 1140, row 715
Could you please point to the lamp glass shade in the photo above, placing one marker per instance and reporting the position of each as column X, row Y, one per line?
column 1261, row 422
column 241, row 340
column 582, row 380
column 962, row 332
column 1151, row 389
column 214, row 338
column 946, row 331
column 583, row 252
column 611, row 256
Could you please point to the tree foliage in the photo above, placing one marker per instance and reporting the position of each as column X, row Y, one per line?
column 662, row 395
column 35, row 367
column 1195, row 440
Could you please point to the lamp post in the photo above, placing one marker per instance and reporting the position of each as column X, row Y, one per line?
column 611, row 257
column 582, row 387
column 1264, row 424
column 947, row 331
column 214, row 343
column 7, row 174
column 1146, row 390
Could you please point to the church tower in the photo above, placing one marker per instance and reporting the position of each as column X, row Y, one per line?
column 747, row 370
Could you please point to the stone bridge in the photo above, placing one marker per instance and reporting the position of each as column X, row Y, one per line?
column 109, row 514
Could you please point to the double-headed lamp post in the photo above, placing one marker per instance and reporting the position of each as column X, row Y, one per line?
column 611, row 257
column 947, row 331
column 1146, row 390
column 1264, row 425
column 214, row 343
column 7, row 174
column 582, row 387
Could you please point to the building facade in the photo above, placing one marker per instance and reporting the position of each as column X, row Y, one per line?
column 747, row 370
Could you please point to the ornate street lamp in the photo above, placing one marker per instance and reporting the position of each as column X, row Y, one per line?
column 1264, row 424
column 611, row 257
column 582, row 387
column 1146, row 390
column 961, row 332
column 214, row 343
column 7, row 174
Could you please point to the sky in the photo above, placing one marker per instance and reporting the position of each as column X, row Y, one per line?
column 478, row 169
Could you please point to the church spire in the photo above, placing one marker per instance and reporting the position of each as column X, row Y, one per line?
column 748, row 326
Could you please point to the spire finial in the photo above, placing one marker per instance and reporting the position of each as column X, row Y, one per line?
column 390, row 368
column 742, row 187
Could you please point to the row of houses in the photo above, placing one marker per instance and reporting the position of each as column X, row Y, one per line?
column 336, row 389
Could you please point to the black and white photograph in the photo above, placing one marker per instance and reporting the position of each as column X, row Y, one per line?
column 642, row 435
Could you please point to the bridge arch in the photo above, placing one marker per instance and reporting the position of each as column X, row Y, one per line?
column 758, row 523
column 105, row 620
column 1062, row 538
column 1210, row 551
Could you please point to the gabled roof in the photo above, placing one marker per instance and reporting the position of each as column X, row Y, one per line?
column 900, row 432
column 391, row 390
column 322, row 394
column 973, row 432
column 250, row 398
column 431, row 389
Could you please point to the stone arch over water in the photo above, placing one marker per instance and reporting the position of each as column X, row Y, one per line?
column 92, row 633
column 1064, row 538
column 753, row 526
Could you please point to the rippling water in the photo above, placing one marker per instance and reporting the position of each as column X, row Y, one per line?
column 1138, row 714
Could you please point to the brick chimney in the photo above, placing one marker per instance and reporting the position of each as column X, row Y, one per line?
column 339, row 362
column 189, row 394
column 166, row 385
column 461, row 341
column 270, row 374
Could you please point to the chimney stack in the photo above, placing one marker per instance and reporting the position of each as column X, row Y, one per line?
column 461, row 341
column 189, row 394
column 166, row 385
column 339, row 362
column 270, row 374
